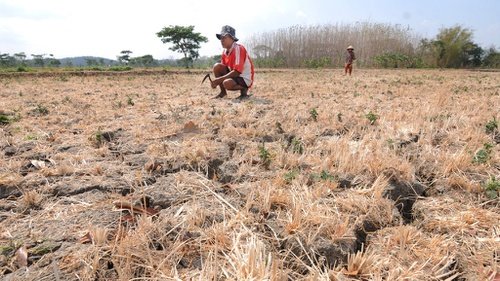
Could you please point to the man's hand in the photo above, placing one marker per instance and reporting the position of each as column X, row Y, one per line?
column 216, row 82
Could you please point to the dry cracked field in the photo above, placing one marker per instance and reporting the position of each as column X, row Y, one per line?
column 385, row 175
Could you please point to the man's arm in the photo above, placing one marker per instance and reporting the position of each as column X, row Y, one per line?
column 232, row 74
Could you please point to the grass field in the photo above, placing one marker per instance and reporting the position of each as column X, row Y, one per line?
column 385, row 175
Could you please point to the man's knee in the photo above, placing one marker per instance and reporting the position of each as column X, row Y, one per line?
column 228, row 84
column 218, row 65
column 219, row 68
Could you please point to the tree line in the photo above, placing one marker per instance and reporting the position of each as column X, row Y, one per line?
column 183, row 38
column 42, row 60
column 21, row 61
column 376, row 45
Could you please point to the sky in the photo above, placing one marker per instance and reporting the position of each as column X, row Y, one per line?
column 103, row 28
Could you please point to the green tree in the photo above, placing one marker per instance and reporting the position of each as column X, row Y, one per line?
column 53, row 61
column 21, row 58
column 6, row 60
column 492, row 58
column 475, row 54
column 38, row 60
column 125, row 57
column 453, row 47
column 426, row 52
column 184, row 41
column 146, row 60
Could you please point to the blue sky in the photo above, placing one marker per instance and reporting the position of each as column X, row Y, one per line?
column 106, row 27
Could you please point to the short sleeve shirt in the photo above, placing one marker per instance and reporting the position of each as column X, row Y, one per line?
column 237, row 58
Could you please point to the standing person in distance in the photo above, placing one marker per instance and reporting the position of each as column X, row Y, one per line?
column 235, row 71
column 349, row 59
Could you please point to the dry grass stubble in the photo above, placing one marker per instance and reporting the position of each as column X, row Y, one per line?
column 379, row 176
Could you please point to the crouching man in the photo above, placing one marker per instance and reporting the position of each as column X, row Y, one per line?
column 235, row 71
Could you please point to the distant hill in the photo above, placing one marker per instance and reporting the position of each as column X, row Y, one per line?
column 86, row 61
column 92, row 61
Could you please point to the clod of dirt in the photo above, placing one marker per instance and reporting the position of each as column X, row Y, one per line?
column 213, row 168
column 412, row 139
column 141, row 160
column 190, row 127
column 6, row 205
column 333, row 253
column 362, row 230
column 232, row 146
column 438, row 138
column 327, row 133
column 212, row 219
column 100, row 138
column 191, row 263
column 294, row 248
column 144, row 201
column 228, row 171
column 75, row 188
column 427, row 175
column 7, row 191
column 171, row 167
column 326, row 253
column 223, row 172
column 160, row 195
column 268, row 138
column 344, row 184
column 289, row 139
column 404, row 195
column 108, row 136
column 9, row 151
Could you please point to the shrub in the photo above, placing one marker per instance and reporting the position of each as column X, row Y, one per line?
column 492, row 187
column 40, row 110
column 297, row 146
column 483, row 155
column 274, row 62
column 4, row 119
column 120, row 68
column 291, row 175
column 314, row 114
column 372, row 117
column 317, row 63
column 397, row 60
column 323, row 176
column 326, row 176
column 491, row 126
column 265, row 156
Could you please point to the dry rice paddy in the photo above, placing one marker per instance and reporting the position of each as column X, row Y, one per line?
column 385, row 175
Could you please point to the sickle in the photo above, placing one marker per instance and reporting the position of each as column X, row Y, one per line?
column 205, row 78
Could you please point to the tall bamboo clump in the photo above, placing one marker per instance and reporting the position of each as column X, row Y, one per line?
column 325, row 45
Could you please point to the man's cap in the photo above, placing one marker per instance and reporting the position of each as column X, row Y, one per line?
column 226, row 29
column 350, row 48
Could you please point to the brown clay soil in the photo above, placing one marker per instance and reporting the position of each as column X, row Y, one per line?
column 385, row 175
